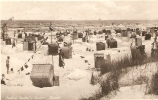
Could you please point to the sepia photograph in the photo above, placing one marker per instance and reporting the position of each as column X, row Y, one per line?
column 79, row 50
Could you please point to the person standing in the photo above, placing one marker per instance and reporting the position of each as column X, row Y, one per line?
column 95, row 32
column 87, row 36
column 14, row 33
column 13, row 44
column 25, row 34
column 35, row 46
column 60, row 34
column 7, row 64
column 16, row 37
column 61, row 58
column 154, row 50
column 108, row 42
column 4, row 30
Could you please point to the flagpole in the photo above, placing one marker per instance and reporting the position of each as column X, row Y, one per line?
column 52, row 61
column 51, row 43
column 51, row 36
column 52, row 54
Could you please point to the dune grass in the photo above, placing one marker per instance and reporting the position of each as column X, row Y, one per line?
column 116, row 68
column 111, row 83
column 153, row 85
column 141, row 80
column 126, row 62
column 106, row 86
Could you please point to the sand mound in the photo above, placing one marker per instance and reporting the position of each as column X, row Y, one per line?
column 77, row 74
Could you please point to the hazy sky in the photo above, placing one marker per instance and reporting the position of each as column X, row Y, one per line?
column 79, row 10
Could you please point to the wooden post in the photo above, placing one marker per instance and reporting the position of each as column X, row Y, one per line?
column 52, row 61
column 51, row 36
column 52, row 54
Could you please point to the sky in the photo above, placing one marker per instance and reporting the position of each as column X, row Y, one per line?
column 79, row 10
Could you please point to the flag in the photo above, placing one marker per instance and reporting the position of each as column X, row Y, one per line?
column 19, row 71
column 51, row 27
column 22, row 68
column 26, row 66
